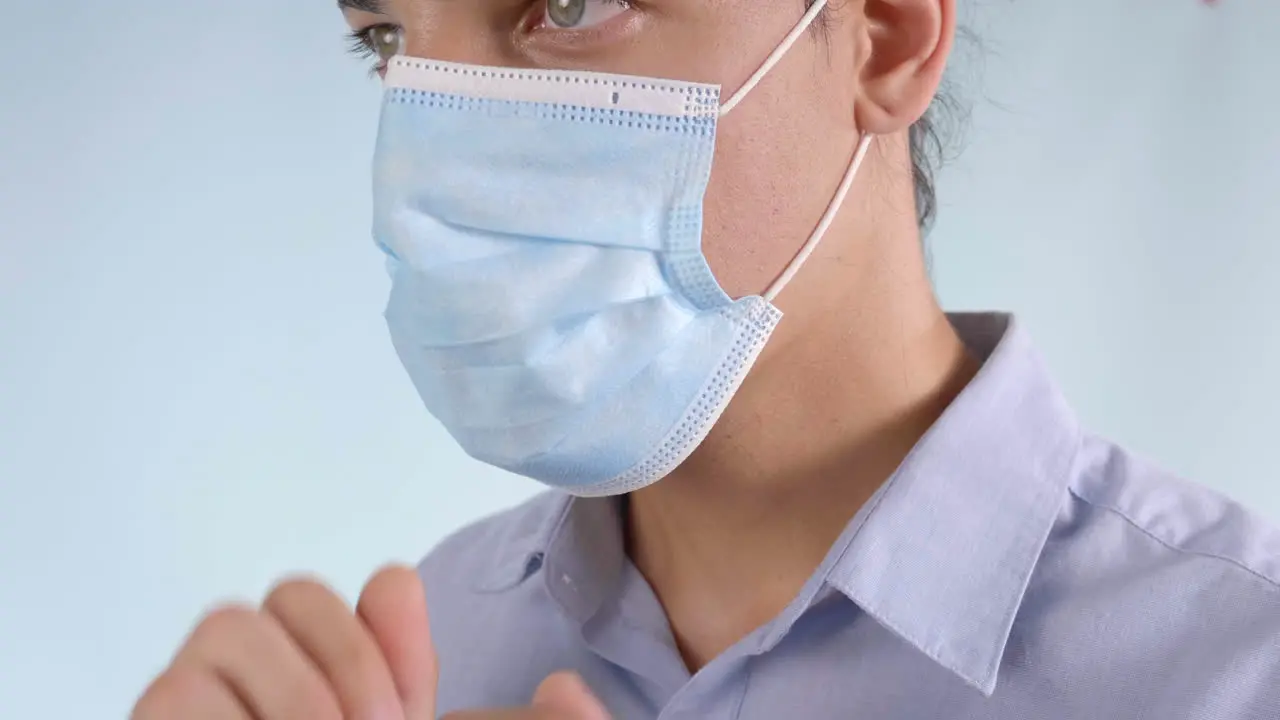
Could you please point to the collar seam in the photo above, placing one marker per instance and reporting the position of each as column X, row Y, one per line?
column 1274, row 583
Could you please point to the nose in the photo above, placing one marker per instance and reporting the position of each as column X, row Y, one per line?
column 462, row 31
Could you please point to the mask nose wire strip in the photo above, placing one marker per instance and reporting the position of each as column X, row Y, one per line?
column 829, row 217
column 773, row 59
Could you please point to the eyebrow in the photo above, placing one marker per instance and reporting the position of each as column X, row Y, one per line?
column 369, row 6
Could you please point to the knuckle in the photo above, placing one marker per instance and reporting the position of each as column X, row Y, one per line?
column 359, row 654
column 314, row 702
column 291, row 592
column 360, row 670
column 223, row 622
column 524, row 714
column 391, row 573
column 356, row 672
column 175, row 694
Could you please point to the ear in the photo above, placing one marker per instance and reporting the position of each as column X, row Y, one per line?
column 906, row 44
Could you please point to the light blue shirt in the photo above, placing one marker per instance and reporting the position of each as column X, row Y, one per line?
column 1013, row 568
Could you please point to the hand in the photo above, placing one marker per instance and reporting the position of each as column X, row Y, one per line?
column 304, row 655
column 562, row 696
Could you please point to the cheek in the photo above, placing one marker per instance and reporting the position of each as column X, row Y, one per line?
column 772, row 179
column 741, row 215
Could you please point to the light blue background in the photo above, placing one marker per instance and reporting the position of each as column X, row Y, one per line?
column 197, row 392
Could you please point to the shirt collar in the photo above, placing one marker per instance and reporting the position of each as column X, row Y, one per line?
column 577, row 544
column 943, row 552
column 944, row 555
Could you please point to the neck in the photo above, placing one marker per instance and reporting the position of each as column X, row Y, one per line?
column 831, row 409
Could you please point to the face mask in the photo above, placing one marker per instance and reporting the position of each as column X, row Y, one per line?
column 550, row 299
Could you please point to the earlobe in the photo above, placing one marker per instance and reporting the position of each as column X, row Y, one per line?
column 906, row 43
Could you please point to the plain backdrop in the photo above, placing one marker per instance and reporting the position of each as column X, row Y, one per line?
column 197, row 393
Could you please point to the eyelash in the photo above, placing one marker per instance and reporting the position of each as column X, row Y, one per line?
column 359, row 44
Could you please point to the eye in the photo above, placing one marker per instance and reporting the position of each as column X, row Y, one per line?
column 582, row 14
column 381, row 42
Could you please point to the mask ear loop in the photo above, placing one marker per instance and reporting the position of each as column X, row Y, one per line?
column 828, row 218
column 777, row 55
column 863, row 145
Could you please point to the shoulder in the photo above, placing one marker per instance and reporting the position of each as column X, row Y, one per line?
column 1153, row 586
column 1189, row 522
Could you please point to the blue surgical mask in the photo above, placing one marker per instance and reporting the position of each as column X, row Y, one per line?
column 550, row 298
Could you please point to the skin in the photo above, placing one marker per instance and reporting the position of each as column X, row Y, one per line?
column 862, row 365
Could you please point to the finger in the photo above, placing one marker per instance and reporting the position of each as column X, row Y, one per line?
column 190, row 694
column 254, row 658
column 526, row 713
column 394, row 608
column 340, row 646
column 569, row 697
column 562, row 696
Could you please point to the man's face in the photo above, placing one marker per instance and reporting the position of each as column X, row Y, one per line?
column 779, row 155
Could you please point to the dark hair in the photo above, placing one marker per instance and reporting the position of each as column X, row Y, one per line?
column 927, row 142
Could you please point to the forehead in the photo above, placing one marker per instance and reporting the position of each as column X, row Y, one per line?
column 369, row 6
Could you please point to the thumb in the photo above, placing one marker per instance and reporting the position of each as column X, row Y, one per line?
column 569, row 697
column 393, row 605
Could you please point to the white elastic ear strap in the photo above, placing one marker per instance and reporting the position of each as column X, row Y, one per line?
column 773, row 58
column 842, row 192
column 825, row 224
